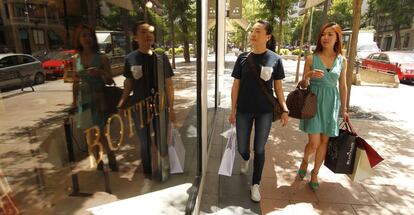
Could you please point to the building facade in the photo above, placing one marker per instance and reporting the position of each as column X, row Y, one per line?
column 27, row 27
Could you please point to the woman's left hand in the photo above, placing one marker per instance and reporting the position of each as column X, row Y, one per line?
column 284, row 119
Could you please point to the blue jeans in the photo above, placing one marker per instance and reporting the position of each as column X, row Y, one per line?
column 144, row 138
column 262, row 124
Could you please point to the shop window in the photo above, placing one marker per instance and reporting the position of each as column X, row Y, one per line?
column 20, row 10
column 2, row 38
column 38, row 36
column 406, row 40
column 6, row 8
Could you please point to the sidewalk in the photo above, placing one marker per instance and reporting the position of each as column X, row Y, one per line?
column 389, row 192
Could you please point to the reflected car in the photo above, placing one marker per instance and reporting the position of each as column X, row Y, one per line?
column 55, row 66
column 44, row 55
column 395, row 62
column 16, row 69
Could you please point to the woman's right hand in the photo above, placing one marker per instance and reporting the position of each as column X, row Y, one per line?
column 232, row 117
column 316, row 73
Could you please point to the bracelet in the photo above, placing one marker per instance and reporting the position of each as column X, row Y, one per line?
column 285, row 111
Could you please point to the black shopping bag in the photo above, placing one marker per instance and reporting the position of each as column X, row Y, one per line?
column 340, row 155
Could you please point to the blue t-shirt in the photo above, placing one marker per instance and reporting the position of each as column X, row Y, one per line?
column 251, row 98
column 146, row 84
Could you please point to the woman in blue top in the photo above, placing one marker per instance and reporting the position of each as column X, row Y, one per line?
column 248, row 100
column 323, row 70
column 92, row 73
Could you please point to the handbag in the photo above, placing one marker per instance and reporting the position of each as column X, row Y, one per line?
column 8, row 204
column 340, row 155
column 113, row 95
column 227, row 161
column 176, row 151
column 301, row 103
column 277, row 109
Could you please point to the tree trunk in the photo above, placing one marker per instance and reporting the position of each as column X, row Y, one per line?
column 170, row 15
column 281, row 26
column 91, row 13
column 397, row 45
column 355, row 31
column 186, row 43
column 125, row 26
column 325, row 12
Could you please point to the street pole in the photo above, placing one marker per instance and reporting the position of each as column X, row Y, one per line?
column 310, row 30
column 305, row 20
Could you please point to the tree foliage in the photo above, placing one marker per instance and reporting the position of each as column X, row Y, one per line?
column 397, row 13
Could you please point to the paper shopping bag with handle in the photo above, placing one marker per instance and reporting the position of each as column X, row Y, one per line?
column 227, row 161
column 340, row 155
column 362, row 167
column 176, row 151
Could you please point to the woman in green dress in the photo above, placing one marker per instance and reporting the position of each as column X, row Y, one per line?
column 322, row 72
column 92, row 72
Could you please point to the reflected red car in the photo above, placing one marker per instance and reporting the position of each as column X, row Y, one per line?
column 395, row 62
column 55, row 67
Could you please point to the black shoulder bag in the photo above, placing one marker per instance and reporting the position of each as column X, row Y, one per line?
column 277, row 109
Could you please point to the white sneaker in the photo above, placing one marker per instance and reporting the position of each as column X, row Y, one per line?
column 244, row 166
column 255, row 193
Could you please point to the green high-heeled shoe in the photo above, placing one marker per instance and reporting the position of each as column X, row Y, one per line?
column 302, row 170
column 313, row 185
column 302, row 173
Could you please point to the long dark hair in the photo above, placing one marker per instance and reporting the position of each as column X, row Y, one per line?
column 271, row 43
column 76, row 37
column 338, row 43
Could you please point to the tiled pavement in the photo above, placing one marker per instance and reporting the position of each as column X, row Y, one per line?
column 389, row 192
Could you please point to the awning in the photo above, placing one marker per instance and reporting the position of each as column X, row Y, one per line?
column 312, row 3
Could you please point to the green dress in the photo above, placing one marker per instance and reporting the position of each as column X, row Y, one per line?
column 326, row 90
column 90, row 94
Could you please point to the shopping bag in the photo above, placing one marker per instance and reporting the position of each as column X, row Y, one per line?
column 227, row 161
column 340, row 155
column 176, row 151
column 362, row 166
column 373, row 156
column 8, row 204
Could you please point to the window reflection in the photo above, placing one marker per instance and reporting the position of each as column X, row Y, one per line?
column 64, row 129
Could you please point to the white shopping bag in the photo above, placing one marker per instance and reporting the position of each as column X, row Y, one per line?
column 176, row 151
column 227, row 161
column 362, row 167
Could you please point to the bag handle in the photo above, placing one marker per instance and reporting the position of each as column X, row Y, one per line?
column 253, row 68
column 347, row 125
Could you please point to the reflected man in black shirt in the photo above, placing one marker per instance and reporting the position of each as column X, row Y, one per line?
column 148, row 75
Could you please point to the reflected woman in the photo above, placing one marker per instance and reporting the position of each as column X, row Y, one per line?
column 92, row 73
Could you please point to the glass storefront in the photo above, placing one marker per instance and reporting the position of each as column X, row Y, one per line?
column 103, row 112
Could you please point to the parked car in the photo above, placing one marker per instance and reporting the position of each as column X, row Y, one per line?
column 396, row 62
column 364, row 49
column 18, row 69
column 56, row 65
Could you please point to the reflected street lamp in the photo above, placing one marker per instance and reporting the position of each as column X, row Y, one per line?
column 148, row 5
